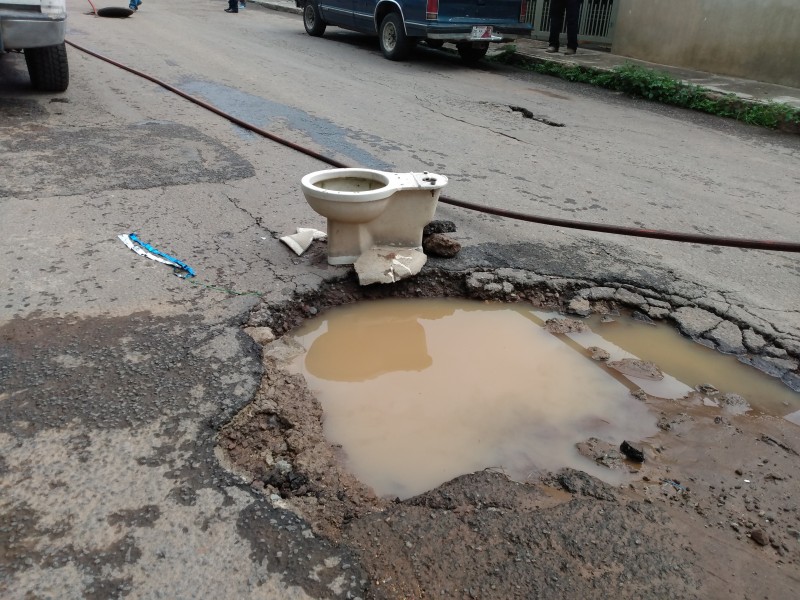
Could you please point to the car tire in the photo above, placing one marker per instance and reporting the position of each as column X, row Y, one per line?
column 312, row 20
column 48, row 67
column 470, row 54
column 395, row 45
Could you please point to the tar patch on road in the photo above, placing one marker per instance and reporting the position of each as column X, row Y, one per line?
column 63, row 162
column 107, row 373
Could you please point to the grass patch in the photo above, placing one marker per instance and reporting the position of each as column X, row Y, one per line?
column 639, row 82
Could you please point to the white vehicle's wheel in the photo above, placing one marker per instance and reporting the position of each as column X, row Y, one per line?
column 48, row 67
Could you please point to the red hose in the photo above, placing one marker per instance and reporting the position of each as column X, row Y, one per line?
column 709, row 240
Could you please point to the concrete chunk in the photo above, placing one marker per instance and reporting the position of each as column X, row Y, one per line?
column 386, row 264
column 728, row 338
column 695, row 321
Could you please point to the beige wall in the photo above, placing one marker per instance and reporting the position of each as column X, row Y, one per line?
column 755, row 39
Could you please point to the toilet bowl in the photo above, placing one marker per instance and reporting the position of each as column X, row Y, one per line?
column 367, row 208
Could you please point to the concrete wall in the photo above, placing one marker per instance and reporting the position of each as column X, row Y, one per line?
column 755, row 39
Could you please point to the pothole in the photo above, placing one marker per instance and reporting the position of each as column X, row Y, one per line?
column 707, row 464
column 417, row 392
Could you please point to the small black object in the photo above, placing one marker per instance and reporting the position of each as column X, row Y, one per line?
column 631, row 452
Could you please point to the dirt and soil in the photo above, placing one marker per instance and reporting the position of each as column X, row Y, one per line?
column 713, row 512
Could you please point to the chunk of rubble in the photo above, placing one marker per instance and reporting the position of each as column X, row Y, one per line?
column 734, row 401
column 440, row 245
column 561, row 326
column 632, row 452
column 603, row 453
column 753, row 341
column 384, row 264
column 727, row 337
column 260, row 335
column 635, row 367
column 438, row 226
column 580, row 306
column 695, row 321
column 598, row 353
column 706, row 388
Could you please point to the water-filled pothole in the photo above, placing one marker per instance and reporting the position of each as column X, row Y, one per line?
column 417, row 392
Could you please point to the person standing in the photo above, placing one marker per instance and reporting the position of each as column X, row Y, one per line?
column 557, row 10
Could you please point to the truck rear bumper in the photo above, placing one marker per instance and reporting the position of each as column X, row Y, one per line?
column 30, row 31
column 466, row 37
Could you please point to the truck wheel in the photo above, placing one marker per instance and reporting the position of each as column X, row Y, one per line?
column 394, row 43
column 472, row 54
column 48, row 67
column 312, row 20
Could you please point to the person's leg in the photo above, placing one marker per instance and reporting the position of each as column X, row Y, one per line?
column 233, row 6
column 556, row 22
column 573, row 7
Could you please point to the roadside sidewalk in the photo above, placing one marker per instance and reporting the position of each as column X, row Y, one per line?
column 745, row 89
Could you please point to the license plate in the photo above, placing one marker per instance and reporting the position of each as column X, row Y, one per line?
column 481, row 32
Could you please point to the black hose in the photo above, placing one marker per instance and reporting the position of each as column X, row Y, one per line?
column 710, row 240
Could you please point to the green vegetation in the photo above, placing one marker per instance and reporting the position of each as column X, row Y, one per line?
column 662, row 87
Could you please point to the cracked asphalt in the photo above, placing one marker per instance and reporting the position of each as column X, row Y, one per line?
column 116, row 376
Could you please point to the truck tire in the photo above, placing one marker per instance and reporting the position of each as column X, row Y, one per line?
column 395, row 45
column 472, row 54
column 312, row 20
column 48, row 67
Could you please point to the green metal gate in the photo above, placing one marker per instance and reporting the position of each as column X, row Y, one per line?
column 596, row 20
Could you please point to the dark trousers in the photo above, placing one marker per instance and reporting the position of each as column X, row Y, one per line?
column 233, row 5
column 557, row 9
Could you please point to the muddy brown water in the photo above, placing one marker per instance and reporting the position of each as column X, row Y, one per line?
column 417, row 392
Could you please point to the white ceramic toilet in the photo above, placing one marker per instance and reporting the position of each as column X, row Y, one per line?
column 367, row 208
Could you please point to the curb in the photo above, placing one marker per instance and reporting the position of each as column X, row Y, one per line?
column 733, row 99
column 277, row 6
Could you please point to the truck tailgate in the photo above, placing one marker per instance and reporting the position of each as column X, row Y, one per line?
column 472, row 11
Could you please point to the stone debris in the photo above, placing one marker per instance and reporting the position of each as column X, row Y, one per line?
column 706, row 388
column 603, row 453
column 561, row 326
column 658, row 313
column 599, row 293
column 260, row 335
column 759, row 537
column 384, row 264
column 598, row 353
column 642, row 318
column 627, row 297
column 634, row 367
column 753, row 341
column 440, row 245
column 632, row 452
column 438, row 226
column 727, row 337
column 695, row 321
column 580, row 306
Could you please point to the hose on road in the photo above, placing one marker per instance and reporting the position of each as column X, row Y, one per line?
column 709, row 240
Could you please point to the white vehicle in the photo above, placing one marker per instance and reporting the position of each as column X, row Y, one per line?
column 36, row 27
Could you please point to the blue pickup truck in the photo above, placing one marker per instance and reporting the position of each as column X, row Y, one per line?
column 399, row 24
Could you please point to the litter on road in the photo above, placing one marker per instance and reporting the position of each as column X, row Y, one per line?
column 300, row 241
column 141, row 248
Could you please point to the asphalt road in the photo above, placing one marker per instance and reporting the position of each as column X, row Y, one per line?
column 114, row 375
